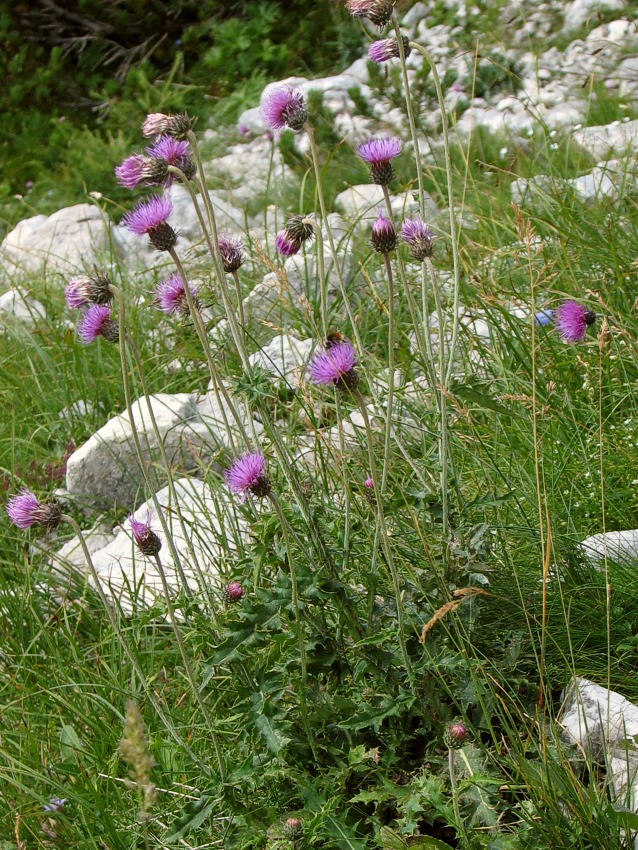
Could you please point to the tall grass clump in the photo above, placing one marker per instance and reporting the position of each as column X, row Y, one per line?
column 377, row 653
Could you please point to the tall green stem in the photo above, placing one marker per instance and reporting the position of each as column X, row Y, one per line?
column 295, row 604
column 314, row 152
column 383, row 531
column 450, row 192
column 136, row 439
column 390, row 396
column 187, row 666
column 128, row 652
column 410, row 110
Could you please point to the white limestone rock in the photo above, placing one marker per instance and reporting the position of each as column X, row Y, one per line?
column 17, row 303
column 251, row 170
column 619, row 546
column 213, row 526
column 69, row 241
column 72, row 554
column 221, row 420
column 578, row 12
column 285, row 357
column 605, row 725
column 105, row 469
column 359, row 203
column 601, row 140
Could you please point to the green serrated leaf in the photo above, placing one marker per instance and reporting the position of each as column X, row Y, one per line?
column 476, row 394
column 193, row 815
column 390, row 840
column 275, row 740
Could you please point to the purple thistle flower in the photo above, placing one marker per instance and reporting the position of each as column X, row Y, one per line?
column 25, row 510
column 572, row 320
column 379, row 153
column 247, row 475
column 88, row 290
column 369, row 483
column 173, row 152
column 283, row 107
column 145, row 538
column 96, row 322
column 335, row 366
column 455, row 735
column 418, row 236
column 232, row 255
column 54, row 804
column 233, row 591
column 388, row 48
column 137, row 170
column 285, row 245
column 150, row 217
column 170, row 295
column 383, row 236
column 158, row 124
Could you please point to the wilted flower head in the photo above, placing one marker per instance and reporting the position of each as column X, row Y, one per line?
column 25, row 510
column 388, row 48
column 233, row 591
column 383, row 236
column 378, row 12
column 379, row 153
column 285, row 245
column 96, row 322
column 418, row 236
column 170, row 295
column 283, row 107
column 299, row 229
column 145, row 538
column 335, row 365
column 572, row 320
column 232, row 255
column 157, row 124
column 150, row 217
column 247, row 474
column 369, row 483
column 88, row 290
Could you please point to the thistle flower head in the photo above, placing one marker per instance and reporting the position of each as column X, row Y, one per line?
column 139, row 170
column 285, row 245
column 418, row 236
column 572, row 320
column 145, row 538
column 82, row 291
column 383, row 237
column 388, row 48
column 158, row 124
column 25, row 510
column 283, row 107
column 298, row 229
column 232, row 255
column 247, row 474
column 369, row 483
column 378, row 12
column 379, row 153
column 292, row 828
column 335, row 365
column 96, row 322
column 455, row 735
column 149, row 217
column 175, row 152
column 170, row 295
column 233, row 591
